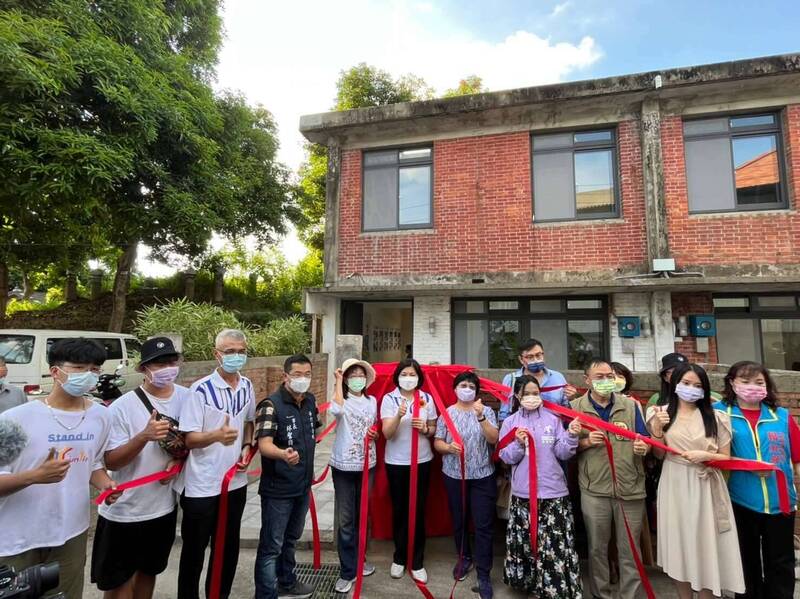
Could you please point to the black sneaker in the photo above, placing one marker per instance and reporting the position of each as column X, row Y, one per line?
column 299, row 590
column 484, row 588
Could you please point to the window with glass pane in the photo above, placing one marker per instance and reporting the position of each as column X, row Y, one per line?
column 397, row 189
column 553, row 334
column 731, row 302
column 737, row 339
column 469, row 307
column 574, row 176
column 503, row 343
column 594, row 183
column 733, row 163
column 499, row 305
column 780, row 339
column 585, row 342
column 471, row 342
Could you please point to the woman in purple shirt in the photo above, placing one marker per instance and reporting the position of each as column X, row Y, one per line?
column 555, row 572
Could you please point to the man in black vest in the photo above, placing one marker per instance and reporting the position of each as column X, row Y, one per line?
column 286, row 424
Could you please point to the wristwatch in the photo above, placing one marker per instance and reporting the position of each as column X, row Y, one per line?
column 482, row 418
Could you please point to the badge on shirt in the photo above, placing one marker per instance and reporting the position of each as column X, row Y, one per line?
column 548, row 437
column 622, row 425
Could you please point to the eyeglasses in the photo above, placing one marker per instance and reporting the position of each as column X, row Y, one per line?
column 536, row 356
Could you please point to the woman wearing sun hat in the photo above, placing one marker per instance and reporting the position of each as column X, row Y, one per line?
column 355, row 413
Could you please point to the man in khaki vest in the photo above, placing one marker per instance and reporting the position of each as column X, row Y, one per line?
column 601, row 510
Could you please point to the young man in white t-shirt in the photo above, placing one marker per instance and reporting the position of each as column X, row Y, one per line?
column 44, row 493
column 133, row 538
column 218, row 421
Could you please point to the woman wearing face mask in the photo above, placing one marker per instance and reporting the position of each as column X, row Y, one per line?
column 697, row 543
column 555, row 572
column 477, row 426
column 762, row 430
column 401, row 429
column 355, row 413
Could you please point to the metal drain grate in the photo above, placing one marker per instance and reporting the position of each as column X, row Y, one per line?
column 323, row 580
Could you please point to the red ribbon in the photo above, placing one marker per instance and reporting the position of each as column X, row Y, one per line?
column 222, row 523
column 412, row 499
column 363, row 514
column 139, row 482
column 312, row 508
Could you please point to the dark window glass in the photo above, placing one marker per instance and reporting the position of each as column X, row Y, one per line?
column 397, row 189
column 503, row 342
column 16, row 349
column 585, row 342
column 755, row 162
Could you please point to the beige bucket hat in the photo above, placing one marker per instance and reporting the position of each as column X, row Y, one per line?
column 365, row 365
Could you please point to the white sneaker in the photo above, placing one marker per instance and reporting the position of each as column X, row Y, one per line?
column 343, row 586
column 368, row 569
column 421, row 575
column 396, row 571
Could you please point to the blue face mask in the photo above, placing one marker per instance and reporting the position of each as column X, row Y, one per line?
column 233, row 363
column 535, row 367
column 79, row 383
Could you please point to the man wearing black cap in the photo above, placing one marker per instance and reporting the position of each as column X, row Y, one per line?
column 135, row 535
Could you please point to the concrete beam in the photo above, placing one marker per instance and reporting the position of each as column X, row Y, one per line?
column 318, row 127
column 655, row 205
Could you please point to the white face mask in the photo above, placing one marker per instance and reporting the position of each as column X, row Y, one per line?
column 407, row 383
column 531, row 402
column 300, row 385
column 465, row 394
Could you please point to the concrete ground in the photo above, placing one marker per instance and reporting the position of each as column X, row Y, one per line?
column 439, row 562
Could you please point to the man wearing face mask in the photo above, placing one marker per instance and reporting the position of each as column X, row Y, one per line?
column 10, row 396
column 599, row 496
column 531, row 357
column 134, row 536
column 286, row 424
column 218, row 421
column 44, row 493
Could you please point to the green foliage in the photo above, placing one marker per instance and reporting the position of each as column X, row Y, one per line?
column 280, row 337
column 310, row 197
column 469, row 85
column 199, row 324
column 364, row 85
column 15, row 305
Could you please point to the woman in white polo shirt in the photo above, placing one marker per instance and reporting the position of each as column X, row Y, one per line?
column 398, row 424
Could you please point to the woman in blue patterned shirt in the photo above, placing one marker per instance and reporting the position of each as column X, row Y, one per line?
column 477, row 426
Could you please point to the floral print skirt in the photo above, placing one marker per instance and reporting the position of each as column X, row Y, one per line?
column 556, row 570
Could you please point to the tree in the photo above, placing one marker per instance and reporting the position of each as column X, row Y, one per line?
column 359, row 86
column 469, row 85
column 109, row 117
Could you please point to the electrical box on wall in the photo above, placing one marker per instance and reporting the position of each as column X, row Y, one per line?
column 629, row 326
column 702, row 325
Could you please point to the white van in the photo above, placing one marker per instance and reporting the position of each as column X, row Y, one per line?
column 25, row 352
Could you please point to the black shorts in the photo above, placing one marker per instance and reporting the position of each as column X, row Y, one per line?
column 123, row 548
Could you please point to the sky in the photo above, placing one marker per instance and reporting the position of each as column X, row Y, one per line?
column 287, row 56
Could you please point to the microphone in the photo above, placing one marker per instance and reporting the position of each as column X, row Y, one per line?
column 12, row 441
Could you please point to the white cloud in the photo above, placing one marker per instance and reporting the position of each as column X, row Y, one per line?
column 288, row 55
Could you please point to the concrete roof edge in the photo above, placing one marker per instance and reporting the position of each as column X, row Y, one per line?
column 315, row 126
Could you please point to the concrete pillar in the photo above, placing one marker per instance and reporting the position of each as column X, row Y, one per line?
column 96, row 282
column 653, row 172
column 332, row 180
column 432, row 330
column 347, row 347
column 189, row 276
column 328, row 310
column 71, row 287
column 661, row 317
column 219, row 284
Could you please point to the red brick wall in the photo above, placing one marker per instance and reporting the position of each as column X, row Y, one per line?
column 684, row 304
column 743, row 239
column 482, row 216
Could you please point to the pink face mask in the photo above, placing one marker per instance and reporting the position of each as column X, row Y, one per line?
column 750, row 393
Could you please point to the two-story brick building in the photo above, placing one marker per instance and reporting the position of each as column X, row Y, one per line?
column 461, row 226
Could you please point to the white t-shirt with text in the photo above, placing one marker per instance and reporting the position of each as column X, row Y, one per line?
column 48, row 515
column 212, row 399
column 129, row 418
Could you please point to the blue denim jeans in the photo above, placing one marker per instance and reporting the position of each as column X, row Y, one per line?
column 347, row 505
column 282, row 523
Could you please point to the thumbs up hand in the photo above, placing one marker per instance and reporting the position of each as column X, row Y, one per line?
column 227, row 435
column 156, row 430
column 52, row 470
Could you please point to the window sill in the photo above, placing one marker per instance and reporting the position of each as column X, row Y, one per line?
column 579, row 223
column 741, row 213
column 394, row 232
